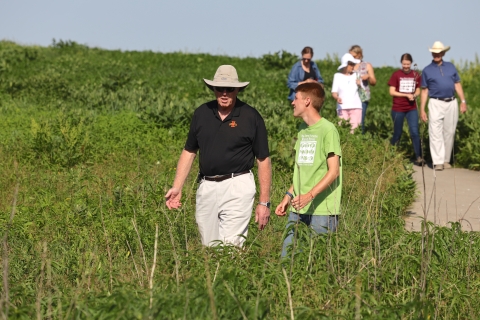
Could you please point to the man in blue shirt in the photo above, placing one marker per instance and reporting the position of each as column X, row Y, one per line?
column 440, row 81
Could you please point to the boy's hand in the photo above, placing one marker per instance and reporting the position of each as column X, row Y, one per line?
column 282, row 207
column 300, row 201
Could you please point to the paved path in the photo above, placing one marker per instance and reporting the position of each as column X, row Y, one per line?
column 451, row 195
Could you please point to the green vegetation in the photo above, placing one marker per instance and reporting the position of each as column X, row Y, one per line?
column 88, row 145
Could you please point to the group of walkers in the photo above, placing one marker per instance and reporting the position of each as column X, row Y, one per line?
column 231, row 136
column 351, row 90
column 351, row 85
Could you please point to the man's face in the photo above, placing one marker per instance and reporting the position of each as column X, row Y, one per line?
column 226, row 96
column 298, row 104
column 437, row 57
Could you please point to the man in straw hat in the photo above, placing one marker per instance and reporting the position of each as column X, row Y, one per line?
column 230, row 135
column 440, row 81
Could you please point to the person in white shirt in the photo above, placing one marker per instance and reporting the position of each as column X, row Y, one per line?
column 365, row 72
column 345, row 91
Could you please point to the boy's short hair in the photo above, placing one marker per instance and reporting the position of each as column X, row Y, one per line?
column 314, row 91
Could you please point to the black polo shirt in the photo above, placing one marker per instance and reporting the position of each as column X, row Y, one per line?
column 227, row 146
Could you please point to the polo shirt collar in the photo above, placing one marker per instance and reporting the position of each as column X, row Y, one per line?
column 236, row 110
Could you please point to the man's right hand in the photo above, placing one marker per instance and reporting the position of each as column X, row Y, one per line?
column 423, row 116
column 173, row 198
column 281, row 209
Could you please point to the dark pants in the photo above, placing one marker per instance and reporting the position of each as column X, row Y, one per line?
column 364, row 112
column 412, row 120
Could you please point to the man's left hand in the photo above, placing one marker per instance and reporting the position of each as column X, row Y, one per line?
column 463, row 107
column 262, row 215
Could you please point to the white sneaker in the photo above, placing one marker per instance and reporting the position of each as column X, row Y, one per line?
column 447, row 165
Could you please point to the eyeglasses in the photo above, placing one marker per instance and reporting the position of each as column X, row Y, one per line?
column 222, row 89
column 306, row 60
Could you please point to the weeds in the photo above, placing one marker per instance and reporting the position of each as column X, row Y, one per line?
column 92, row 238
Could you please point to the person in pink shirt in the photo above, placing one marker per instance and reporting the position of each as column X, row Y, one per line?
column 345, row 92
column 366, row 74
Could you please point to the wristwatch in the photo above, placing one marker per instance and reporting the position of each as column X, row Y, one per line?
column 464, row 101
column 266, row 204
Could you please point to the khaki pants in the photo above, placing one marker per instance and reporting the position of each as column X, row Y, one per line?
column 442, row 122
column 224, row 209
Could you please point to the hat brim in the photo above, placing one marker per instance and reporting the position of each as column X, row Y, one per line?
column 356, row 61
column 240, row 85
column 439, row 50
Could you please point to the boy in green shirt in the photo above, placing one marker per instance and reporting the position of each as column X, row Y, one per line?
column 317, row 176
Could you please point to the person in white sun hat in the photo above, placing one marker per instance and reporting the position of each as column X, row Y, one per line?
column 345, row 91
column 230, row 136
column 440, row 81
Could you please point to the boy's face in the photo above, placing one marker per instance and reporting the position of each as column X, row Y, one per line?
column 299, row 104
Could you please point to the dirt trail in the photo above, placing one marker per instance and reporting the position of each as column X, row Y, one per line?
column 451, row 195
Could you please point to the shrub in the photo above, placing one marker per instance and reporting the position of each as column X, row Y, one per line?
column 63, row 140
column 279, row 60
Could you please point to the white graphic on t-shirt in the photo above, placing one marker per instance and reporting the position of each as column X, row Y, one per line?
column 407, row 85
column 307, row 150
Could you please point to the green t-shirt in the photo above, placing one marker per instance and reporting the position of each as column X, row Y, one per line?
column 312, row 148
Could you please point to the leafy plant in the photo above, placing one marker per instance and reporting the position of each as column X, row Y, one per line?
column 63, row 141
column 279, row 60
column 92, row 138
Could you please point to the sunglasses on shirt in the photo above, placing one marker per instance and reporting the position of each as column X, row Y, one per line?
column 222, row 89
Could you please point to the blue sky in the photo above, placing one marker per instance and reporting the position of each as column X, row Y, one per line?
column 385, row 29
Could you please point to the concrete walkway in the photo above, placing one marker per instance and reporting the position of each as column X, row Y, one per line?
column 450, row 195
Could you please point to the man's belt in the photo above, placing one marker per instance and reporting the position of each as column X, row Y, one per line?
column 444, row 99
column 222, row 177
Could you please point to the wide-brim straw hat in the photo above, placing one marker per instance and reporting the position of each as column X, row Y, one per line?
column 439, row 47
column 346, row 58
column 226, row 76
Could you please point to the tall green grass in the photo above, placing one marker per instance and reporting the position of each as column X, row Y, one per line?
column 91, row 139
